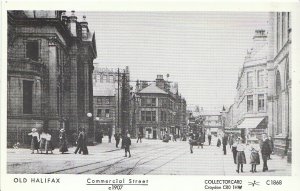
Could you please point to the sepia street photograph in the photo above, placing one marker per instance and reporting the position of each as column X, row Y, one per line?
column 149, row 93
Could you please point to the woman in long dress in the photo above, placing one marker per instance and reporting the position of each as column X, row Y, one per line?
column 240, row 155
column 42, row 142
column 48, row 146
column 63, row 141
column 34, row 140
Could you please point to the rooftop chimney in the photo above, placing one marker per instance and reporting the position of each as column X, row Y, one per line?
column 84, row 26
column 160, row 82
column 73, row 22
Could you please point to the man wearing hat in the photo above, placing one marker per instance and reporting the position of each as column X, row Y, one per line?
column 34, row 140
column 265, row 151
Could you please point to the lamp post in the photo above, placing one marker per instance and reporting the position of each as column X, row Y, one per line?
column 97, row 122
column 89, row 115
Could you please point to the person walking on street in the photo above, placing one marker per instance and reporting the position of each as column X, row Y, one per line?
column 139, row 137
column 265, row 151
column 230, row 140
column 35, row 139
column 84, row 143
column 271, row 144
column 219, row 141
column 240, row 155
column 79, row 142
column 224, row 142
column 100, row 136
column 63, row 141
column 48, row 145
column 254, row 159
column 42, row 142
column 127, row 143
column 209, row 137
column 191, row 141
column 234, row 151
column 117, row 138
column 202, row 139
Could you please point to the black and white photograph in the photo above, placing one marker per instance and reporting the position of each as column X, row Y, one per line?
column 149, row 93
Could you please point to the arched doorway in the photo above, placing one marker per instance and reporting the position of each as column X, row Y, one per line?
column 278, row 104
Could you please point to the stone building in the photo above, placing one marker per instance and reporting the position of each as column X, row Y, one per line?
column 279, row 75
column 252, row 88
column 160, row 109
column 50, row 65
column 111, row 99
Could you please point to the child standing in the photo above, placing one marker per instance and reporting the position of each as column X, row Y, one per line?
column 254, row 159
column 34, row 140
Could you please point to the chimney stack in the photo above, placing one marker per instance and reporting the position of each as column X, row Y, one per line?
column 84, row 26
column 73, row 23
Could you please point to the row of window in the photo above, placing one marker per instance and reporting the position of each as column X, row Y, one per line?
column 261, row 103
column 105, row 78
column 260, row 79
column 103, row 101
column 148, row 115
column 103, row 113
column 163, row 102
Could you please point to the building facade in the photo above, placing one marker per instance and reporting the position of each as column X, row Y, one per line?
column 252, row 89
column 50, row 65
column 279, row 74
column 160, row 109
column 111, row 100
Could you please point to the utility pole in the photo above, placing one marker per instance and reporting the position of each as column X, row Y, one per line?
column 118, row 100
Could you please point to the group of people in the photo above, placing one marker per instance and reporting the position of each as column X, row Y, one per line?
column 238, row 151
column 126, row 142
column 196, row 139
column 42, row 142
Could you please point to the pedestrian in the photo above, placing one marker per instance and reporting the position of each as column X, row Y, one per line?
column 84, row 143
column 42, row 142
column 174, row 137
column 117, row 138
column 234, row 151
column 254, row 159
column 35, row 139
column 271, row 144
column 100, row 136
column 240, row 155
column 230, row 140
column 139, row 137
column 48, row 145
column 202, row 140
column 63, row 141
column 209, row 137
column 109, row 135
column 192, row 141
column 224, row 142
column 265, row 151
column 219, row 141
column 127, row 143
column 79, row 142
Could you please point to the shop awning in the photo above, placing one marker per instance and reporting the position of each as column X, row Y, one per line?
column 251, row 123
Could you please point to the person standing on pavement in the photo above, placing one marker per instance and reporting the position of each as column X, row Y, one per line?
column 127, row 143
column 234, row 151
column 230, row 140
column 219, row 140
column 48, row 145
column 254, row 159
column 117, row 138
column 202, row 139
column 240, row 155
column 271, row 144
column 224, row 142
column 42, row 141
column 79, row 142
column 209, row 137
column 84, row 143
column 100, row 136
column 191, row 141
column 35, row 139
column 139, row 137
column 63, row 141
column 265, row 151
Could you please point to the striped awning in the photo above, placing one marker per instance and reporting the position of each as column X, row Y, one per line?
column 251, row 123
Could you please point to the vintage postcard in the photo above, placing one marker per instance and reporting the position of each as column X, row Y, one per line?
column 141, row 96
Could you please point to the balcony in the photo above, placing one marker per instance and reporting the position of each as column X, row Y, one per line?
column 26, row 66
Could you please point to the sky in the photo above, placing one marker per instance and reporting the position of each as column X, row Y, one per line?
column 202, row 51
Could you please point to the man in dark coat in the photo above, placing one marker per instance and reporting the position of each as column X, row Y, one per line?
column 271, row 145
column 209, row 137
column 139, row 137
column 265, row 151
column 224, row 142
column 100, row 136
column 79, row 142
column 127, row 143
column 84, row 143
column 117, row 138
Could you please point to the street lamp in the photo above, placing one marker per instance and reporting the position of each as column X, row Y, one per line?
column 97, row 122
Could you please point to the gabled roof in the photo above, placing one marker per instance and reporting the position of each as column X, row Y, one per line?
column 152, row 89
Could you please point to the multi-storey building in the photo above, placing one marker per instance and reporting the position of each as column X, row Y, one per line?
column 279, row 75
column 50, row 65
column 159, row 109
column 111, row 99
column 252, row 89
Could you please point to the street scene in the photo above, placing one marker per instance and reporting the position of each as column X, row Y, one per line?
column 149, row 93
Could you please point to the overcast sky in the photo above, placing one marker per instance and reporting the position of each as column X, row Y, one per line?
column 202, row 51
